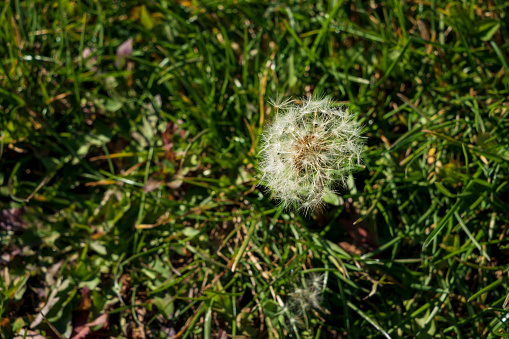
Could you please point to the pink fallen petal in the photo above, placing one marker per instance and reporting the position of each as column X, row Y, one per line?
column 82, row 332
column 124, row 51
column 86, row 53
column 101, row 320
column 151, row 185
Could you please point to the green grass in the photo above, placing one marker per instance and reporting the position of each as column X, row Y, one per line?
column 128, row 189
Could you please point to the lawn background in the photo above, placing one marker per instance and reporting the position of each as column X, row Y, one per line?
column 129, row 202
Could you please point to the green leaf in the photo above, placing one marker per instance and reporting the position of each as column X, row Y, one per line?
column 270, row 308
column 486, row 289
column 444, row 190
column 441, row 224
column 333, row 199
column 165, row 305
column 190, row 232
column 112, row 105
column 486, row 28
column 146, row 19
column 100, row 249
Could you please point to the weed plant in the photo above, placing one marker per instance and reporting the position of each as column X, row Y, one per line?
column 129, row 197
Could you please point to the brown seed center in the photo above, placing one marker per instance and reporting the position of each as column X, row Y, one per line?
column 309, row 154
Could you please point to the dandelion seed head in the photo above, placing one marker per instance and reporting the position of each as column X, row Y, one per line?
column 308, row 151
column 303, row 299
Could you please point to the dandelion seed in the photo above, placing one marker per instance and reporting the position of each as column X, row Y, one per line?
column 280, row 102
column 308, row 150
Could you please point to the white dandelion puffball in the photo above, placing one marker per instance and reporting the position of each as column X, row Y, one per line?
column 308, row 150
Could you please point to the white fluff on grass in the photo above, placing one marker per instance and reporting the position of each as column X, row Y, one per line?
column 302, row 300
column 308, row 150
